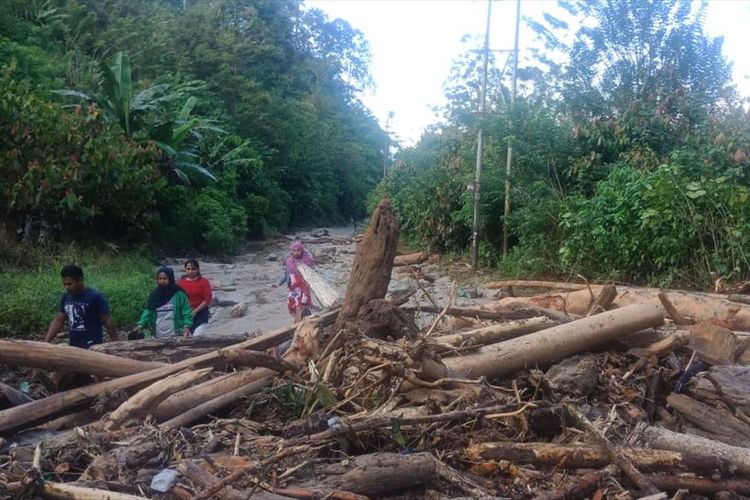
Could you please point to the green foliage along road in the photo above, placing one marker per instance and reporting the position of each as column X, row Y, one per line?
column 189, row 125
column 632, row 152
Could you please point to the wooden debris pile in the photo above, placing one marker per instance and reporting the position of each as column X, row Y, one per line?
column 577, row 394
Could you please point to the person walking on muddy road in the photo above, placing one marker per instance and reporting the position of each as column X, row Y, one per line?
column 85, row 308
column 167, row 312
column 198, row 291
column 300, row 295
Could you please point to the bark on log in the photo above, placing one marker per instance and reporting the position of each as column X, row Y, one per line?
column 373, row 263
column 52, row 357
column 496, row 333
column 172, row 349
column 10, row 397
column 410, row 259
column 732, row 384
column 741, row 298
column 574, row 455
column 42, row 410
column 549, row 345
column 141, row 404
column 489, row 314
column 253, row 359
column 663, row 439
column 556, row 285
column 720, row 424
column 378, row 474
column 711, row 307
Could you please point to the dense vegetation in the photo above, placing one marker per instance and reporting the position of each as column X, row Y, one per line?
column 189, row 125
column 632, row 153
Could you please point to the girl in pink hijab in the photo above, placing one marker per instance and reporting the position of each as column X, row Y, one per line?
column 300, row 297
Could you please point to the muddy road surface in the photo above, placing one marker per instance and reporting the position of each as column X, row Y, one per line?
column 248, row 278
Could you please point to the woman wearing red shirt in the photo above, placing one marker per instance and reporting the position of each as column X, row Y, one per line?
column 198, row 290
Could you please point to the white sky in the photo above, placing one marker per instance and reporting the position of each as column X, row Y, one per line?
column 414, row 42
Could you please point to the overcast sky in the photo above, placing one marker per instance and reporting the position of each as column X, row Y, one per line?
column 413, row 43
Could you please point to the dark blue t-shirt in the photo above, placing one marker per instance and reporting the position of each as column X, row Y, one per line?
column 84, row 312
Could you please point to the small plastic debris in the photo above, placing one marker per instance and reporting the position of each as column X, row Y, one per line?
column 164, row 480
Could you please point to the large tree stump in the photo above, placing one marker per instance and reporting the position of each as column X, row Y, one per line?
column 373, row 263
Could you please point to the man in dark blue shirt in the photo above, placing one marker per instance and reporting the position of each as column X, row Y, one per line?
column 84, row 308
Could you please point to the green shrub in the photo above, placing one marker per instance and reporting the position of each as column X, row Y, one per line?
column 662, row 227
column 32, row 294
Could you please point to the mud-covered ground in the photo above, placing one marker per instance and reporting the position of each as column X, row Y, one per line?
column 248, row 279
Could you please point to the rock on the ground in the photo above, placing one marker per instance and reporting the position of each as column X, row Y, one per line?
column 239, row 310
column 272, row 257
column 578, row 375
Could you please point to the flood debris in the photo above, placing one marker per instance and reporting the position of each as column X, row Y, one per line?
column 602, row 391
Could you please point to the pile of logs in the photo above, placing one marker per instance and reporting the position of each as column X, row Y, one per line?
column 592, row 392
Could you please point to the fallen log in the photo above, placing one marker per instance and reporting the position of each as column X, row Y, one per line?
column 410, row 259
column 54, row 357
column 578, row 455
column 547, row 346
column 376, row 474
column 671, row 310
column 731, row 383
column 715, row 345
column 603, row 300
column 534, row 284
column 184, row 401
column 12, row 397
column 138, row 406
column 741, row 298
column 45, row 409
column 215, row 404
column 490, row 314
column 253, row 359
column 171, row 349
column 711, row 307
column 64, row 491
column 496, row 333
column 663, row 439
column 720, row 424
column 372, row 266
column 698, row 485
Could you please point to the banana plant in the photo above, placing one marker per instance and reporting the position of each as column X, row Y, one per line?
column 117, row 98
column 179, row 137
column 135, row 114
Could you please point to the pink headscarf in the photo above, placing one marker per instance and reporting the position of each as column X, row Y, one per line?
column 291, row 262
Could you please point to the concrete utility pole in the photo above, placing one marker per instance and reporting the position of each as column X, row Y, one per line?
column 482, row 111
column 511, row 109
column 387, row 150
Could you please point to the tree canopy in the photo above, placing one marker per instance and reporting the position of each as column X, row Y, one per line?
column 631, row 151
column 215, row 120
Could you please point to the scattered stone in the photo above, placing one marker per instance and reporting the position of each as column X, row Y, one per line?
column 503, row 293
column 328, row 250
column 217, row 301
column 575, row 375
column 239, row 310
column 272, row 257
